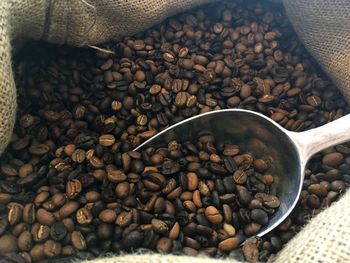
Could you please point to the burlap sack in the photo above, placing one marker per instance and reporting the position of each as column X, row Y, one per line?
column 323, row 25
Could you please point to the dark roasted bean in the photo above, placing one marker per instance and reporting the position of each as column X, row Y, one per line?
column 78, row 240
column 58, row 231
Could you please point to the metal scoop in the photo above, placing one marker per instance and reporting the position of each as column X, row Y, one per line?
column 255, row 133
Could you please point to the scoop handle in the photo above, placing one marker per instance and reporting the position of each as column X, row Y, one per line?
column 318, row 139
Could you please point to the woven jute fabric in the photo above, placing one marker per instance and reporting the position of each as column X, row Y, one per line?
column 7, row 85
column 323, row 26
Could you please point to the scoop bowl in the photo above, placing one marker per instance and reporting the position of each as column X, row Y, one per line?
column 287, row 151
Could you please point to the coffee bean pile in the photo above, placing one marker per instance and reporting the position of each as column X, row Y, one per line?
column 191, row 198
column 81, row 112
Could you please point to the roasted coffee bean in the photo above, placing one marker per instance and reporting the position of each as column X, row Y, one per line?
column 25, row 241
column 260, row 165
column 157, row 178
column 52, row 249
column 58, row 199
column 124, row 219
column 92, row 196
column 317, row 189
column 133, row 240
column 137, row 166
column 159, row 205
column 192, row 181
column 338, row 186
column 14, row 214
column 28, row 180
column 164, row 245
column 229, row 244
column 159, row 226
column 10, row 187
column 175, row 231
column 243, row 195
column 44, row 217
column 333, row 159
column 39, row 149
column 40, row 232
column 190, row 242
column 313, row 201
column 29, row 213
column 251, row 229
column 268, row 200
column 150, row 238
column 116, row 176
column 250, row 250
column 108, row 216
column 104, row 231
column 170, row 186
column 122, row 190
column 259, row 216
column 169, row 168
column 58, row 231
column 268, row 179
column 217, row 168
column 213, row 215
column 73, row 188
column 78, row 156
column 68, row 209
column 96, row 162
column 5, row 198
column 41, row 198
column 37, row 252
column 230, row 150
column 106, row 140
column 8, row 170
column 175, row 193
column 276, row 243
column 227, row 212
column 8, row 244
column 157, row 159
column 78, row 240
column 229, row 229
column 19, row 228
column 240, row 177
column 84, row 216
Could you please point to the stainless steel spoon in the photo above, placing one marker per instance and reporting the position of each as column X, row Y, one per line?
column 254, row 132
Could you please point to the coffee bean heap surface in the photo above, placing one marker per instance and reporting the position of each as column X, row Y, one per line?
column 70, row 185
column 192, row 197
